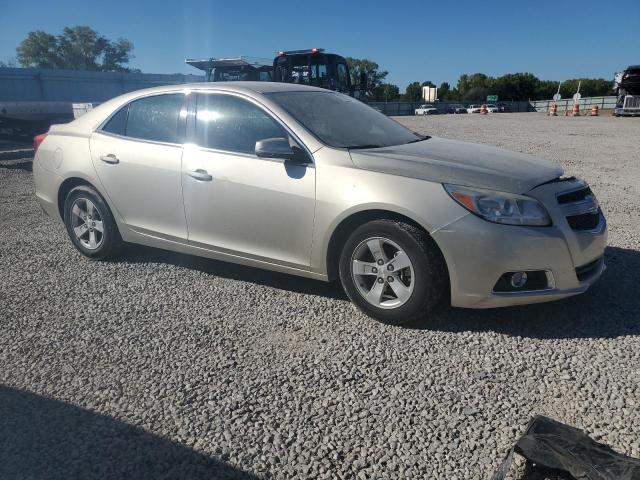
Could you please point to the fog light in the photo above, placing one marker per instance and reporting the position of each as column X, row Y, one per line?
column 525, row 281
column 518, row 279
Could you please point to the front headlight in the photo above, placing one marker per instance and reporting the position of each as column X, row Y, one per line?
column 500, row 207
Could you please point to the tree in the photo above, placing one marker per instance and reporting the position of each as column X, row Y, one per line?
column 475, row 86
column 516, row 86
column 39, row 49
column 117, row 54
column 546, row 89
column 374, row 77
column 77, row 48
column 10, row 63
column 386, row 92
column 444, row 91
column 589, row 87
column 413, row 93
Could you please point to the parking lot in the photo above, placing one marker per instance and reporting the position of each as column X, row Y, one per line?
column 164, row 365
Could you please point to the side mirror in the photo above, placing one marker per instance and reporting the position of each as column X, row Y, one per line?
column 274, row 148
column 280, row 148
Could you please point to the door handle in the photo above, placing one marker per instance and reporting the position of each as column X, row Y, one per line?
column 201, row 175
column 111, row 158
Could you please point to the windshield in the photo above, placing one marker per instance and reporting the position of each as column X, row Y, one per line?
column 342, row 121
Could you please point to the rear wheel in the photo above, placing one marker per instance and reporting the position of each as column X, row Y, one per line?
column 90, row 224
column 392, row 271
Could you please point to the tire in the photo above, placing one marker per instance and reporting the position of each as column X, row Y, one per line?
column 81, row 203
column 421, row 285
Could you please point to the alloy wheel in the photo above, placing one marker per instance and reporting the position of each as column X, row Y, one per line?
column 87, row 225
column 382, row 272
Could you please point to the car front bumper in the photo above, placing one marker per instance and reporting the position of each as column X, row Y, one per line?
column 479, row 252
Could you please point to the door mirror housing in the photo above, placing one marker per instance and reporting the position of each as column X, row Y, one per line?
column 274, row 148
column 280, row 148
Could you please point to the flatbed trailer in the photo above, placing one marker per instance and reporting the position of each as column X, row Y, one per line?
column 234, row 69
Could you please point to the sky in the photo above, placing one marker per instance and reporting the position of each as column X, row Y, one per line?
column 412, row 40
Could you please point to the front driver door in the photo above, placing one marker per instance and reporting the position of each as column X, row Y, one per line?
column 237, row 203
column 137, row 155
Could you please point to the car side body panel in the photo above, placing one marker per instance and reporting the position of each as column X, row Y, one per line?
column 344, row 190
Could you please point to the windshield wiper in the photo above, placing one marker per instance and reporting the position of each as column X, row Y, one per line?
column 358, row 147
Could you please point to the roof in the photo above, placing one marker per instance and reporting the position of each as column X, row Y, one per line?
column 89, row 120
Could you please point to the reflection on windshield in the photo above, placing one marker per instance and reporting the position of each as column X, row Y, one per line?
column 342, row 121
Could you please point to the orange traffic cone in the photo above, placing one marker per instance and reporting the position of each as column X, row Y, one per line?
column 594, row 111
column 553, row 110
column 575, row 111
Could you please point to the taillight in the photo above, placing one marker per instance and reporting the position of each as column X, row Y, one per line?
column 37, row 140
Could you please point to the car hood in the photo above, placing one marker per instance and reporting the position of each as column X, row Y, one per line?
column 460, row 163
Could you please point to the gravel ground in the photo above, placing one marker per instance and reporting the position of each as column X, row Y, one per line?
column 163, row 365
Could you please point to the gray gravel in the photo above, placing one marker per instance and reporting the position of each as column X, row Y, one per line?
column 163, row 365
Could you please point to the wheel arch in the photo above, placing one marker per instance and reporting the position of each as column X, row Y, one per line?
column 69, row 184
column 354, row 220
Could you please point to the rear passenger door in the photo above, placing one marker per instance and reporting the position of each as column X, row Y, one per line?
column 137, row 155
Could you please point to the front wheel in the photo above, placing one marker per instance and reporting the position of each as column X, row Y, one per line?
column 90, row 224
column 393, row 271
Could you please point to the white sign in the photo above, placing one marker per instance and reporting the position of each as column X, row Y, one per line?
column 557, row 97
column 577, row 97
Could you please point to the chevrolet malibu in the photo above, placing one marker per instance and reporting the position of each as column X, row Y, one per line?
column 314, row 183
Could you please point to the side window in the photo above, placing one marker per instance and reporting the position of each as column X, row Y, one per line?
column 226, row 122
column 342, row 77
column 118, row 123
column 156, row 118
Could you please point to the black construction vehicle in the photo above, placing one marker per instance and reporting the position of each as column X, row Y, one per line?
column 306, row 67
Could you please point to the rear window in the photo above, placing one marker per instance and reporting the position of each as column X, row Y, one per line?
column 155, row 118
column 118, row 123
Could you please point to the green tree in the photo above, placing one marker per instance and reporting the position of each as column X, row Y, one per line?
column 413, row 93
column 545, row 89
column 589, row 87
column 117, row 54
column 375, row 77
column 475, row 86
column 77, row 48
column 39, row 49
column 386, row 92
column 516, row 86
column 444, row 91
column 10, row 63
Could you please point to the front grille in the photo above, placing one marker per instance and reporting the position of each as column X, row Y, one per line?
column 585, row 221
column 588, row 270
column 581, row 209
column 572, row 197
